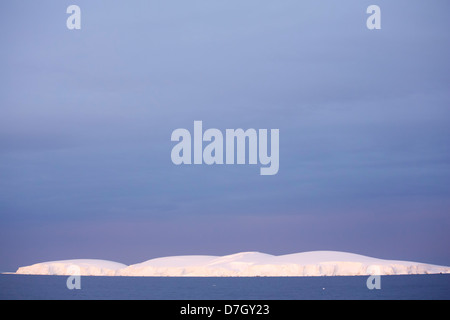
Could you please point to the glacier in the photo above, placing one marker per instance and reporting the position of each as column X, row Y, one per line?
column 244, row 264
column 86, row 267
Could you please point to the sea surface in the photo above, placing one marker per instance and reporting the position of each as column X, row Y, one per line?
column 409, row 287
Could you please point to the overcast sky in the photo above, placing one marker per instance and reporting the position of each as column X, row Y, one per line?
column 86, row 118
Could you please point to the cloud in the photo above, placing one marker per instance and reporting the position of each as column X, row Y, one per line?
column 86, row 117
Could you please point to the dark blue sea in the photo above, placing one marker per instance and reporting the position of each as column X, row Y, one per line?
column 409, row 287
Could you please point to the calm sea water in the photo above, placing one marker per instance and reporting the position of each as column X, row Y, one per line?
column 435, row 287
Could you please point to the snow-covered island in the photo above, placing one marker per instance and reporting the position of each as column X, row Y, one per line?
column 245, row 264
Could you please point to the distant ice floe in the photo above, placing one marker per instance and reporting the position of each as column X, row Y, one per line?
column 245, row 264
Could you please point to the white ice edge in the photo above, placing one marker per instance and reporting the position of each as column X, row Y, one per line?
column 244, row 264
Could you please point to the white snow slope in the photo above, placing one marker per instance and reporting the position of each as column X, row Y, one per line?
column 86, row 267
column 245, row 264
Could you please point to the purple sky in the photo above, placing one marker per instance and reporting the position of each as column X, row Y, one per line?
column 86, row 118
